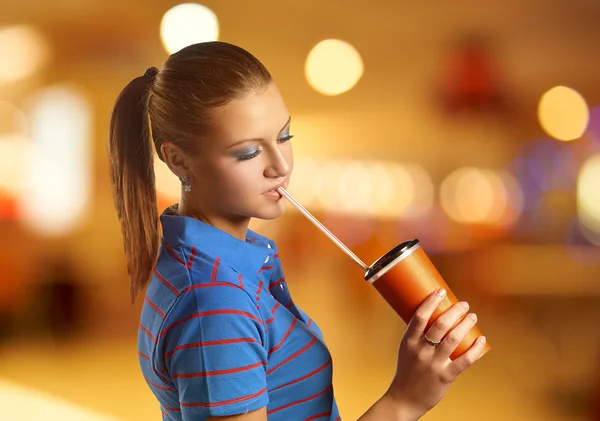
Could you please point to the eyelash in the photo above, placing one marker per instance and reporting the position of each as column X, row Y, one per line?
column 258, row 150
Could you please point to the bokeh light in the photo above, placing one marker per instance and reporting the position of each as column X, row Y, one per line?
column 14, row 151
column 58, row 185
column 355, row 187
column 479, row 196
column 333, row 67
column 578, row 242
column 306, row 182
column 588, row 198
column 187, row 24
column 563, row 113
column 23, row 51
column 423, row 193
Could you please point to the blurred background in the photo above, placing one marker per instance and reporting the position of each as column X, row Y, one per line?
column 473, row 126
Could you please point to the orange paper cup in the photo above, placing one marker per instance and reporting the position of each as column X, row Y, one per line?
column 404, row 277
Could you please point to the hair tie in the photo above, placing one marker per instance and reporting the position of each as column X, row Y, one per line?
column 151, row 73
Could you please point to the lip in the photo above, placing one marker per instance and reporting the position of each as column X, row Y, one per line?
column 284, row 185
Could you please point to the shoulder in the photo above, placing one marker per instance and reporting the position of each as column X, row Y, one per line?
column 196, row 266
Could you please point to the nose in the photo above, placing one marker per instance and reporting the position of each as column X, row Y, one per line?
column 278, row 166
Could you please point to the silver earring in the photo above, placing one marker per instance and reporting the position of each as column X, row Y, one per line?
column 185, row 183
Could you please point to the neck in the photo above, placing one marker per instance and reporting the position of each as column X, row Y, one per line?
column 236, row 227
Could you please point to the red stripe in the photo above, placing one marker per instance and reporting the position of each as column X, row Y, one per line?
column 172, row 409
column 208, row 285
column 210, row 313
column 189, row 263
column 167, row 283
column 219, row 372
column 210, row 343
column 272, row 318
column 338, row 419
column 289, row 305
column 174, row 254
column 148, row 333
column 168, row 389
column 300, row 401
column 275, row 348
column 265, row 268
column 260, row 286
column 240, row 280
column 309, row 322
column 155, row 307
column 275, row 308
column 144, row 356
column 274, row 284
column 236, row 400
column 312, row 373
column 314, row 417
column 276, row 255
column 214, row 272
column 291, row 357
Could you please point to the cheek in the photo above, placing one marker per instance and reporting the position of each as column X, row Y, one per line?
column 239, row 179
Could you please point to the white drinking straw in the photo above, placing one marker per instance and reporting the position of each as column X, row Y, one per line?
column 325, row 231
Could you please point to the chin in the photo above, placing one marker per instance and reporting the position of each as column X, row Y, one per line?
column 275, row 210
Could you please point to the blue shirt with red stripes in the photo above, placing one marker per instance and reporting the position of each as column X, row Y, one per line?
column 220, row 335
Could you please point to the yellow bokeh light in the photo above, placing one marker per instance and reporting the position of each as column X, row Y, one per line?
column 423, row 192
column 187, row 24
column 382, row 186
column 513, row 195
column 355, row 188
column 333, row 67
column 23, row 50
column 403, row 191
column 14, row 150
column 306, row 182
column 477, row 196
column 563, row 113
column 58, row 184
column 588, row 194
column 328, row 195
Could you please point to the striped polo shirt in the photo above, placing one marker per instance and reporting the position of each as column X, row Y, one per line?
column 220, row 335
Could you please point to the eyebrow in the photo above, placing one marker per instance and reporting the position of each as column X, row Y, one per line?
column 239, row 142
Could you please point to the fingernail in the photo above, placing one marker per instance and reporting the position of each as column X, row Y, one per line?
column 441, row 292
column 465, row 304
column 473, row 317
column 482, row 339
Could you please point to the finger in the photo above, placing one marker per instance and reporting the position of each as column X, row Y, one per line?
column 444, row 323
column 456, row 335
column 467, row 359
column 418, row 322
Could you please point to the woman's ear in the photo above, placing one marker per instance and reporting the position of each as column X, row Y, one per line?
column 175, row 159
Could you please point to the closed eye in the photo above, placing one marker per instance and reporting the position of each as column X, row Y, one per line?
column 286, row 138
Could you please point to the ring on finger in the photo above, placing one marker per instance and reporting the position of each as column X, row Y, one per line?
column 432, row 342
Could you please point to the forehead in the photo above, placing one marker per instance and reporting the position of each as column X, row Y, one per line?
column 259, row 114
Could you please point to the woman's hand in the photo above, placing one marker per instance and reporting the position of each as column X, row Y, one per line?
column 425, row 371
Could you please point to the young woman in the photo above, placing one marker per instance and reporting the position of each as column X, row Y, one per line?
column 220, row 336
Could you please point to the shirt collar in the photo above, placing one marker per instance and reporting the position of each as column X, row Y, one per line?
column 246, row 257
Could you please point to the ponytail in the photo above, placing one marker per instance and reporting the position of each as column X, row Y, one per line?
column 131, row 160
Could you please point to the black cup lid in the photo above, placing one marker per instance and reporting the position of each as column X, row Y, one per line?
column 390, row 256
